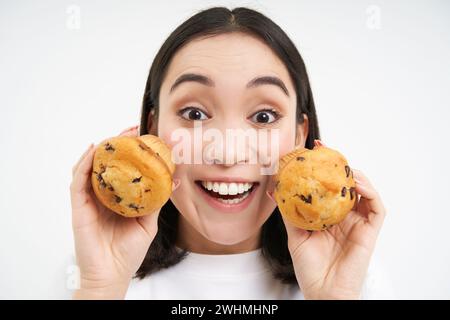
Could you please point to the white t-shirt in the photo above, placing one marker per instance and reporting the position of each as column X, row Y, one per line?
column 231, row 276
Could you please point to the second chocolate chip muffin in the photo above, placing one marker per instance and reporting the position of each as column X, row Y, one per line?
column 314, row 188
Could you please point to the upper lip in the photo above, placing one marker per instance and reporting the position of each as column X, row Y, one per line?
column 227, row 179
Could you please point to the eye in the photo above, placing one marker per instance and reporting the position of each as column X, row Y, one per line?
column 265, row 116
column 192, row 113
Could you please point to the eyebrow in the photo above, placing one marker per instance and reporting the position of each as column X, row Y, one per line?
column 204, row 80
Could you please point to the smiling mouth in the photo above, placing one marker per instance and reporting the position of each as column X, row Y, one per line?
column 227, row 193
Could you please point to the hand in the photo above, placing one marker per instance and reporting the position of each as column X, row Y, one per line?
column 109, row 248
column 333, row 263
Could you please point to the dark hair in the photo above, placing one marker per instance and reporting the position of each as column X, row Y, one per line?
column 210, row 22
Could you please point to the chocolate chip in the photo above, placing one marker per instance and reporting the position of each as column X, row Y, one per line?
column 101, row 181
column 157, row 154
column 352, row 193
column 133, row 206
column 110, row 188
column 344, row 191
column 300, row 159
column 347, row 171
column 306, row 200
column 283, row 200
column 109, row 147
column 324, row 226
column 117, row 198
column 136, row 180
column 147, row 190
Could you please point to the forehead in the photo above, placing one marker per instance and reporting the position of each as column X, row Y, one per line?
column 227, row 58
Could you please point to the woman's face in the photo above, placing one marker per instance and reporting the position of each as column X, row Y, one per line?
column 227, row 214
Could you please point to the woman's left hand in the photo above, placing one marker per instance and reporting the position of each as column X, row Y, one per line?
column 333, row 263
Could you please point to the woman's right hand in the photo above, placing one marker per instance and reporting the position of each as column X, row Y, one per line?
column 109, row 248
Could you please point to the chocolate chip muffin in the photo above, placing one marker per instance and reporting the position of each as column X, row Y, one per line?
column 132, row 176
column 314, row 188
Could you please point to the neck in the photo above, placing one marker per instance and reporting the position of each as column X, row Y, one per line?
column 191, row 240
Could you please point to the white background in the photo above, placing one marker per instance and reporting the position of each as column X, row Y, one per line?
column 380, row 75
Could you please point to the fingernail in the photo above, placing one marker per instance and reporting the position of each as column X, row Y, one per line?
column 270, row 195
column 318, row 143
column 175, row 184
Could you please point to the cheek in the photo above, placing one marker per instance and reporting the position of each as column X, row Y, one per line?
column 166, row 130
column 287, row 141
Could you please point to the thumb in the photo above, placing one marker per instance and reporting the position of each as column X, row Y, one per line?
column 293, row 230
column 175, row 184
column 150, row 224
column 269, row 193
column 130, row 132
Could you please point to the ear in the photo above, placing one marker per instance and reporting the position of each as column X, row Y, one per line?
column 152, row 123
column 302, row 132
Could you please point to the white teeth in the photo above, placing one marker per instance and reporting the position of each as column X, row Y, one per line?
column 232, row 189
column 233, row 201
column 223, row 188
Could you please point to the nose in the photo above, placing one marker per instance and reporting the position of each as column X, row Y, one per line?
column 226, row 153
column 234, row 141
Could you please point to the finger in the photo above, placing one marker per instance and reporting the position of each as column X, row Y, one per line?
column 270, row 195
column 359, row 176
column 175, row 184
column 149, row 224
column 319, row 143
column 74, row 168
column 81, row 179
column 355, row 206
column 356, row 175
column 371, row 198
column 130, row 132
column 296, row 236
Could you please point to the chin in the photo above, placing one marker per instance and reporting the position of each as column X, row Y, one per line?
column 230, row 235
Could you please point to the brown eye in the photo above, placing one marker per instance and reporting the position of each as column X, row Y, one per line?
column 264, row 117
column 194, row 114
